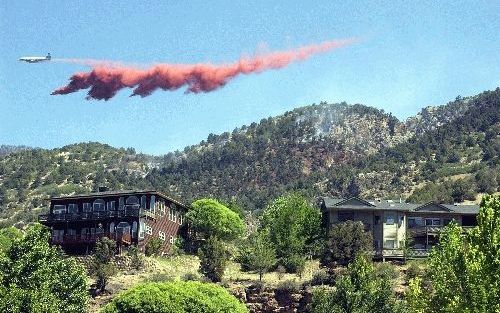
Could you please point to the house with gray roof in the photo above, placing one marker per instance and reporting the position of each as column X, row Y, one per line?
column 392, row 223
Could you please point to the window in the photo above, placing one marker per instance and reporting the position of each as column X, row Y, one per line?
column 345, row 216
column 172, row 240
column 141, row 229
column 112, row 227
column 134, row 229
column 72, row 208
column 85, row 231
column 149, row 229
column 389, row 244
column 432, row 222
column 59, row 209
column 87, row 207
column 162, row 235
column 179, row 221
column 143, row 202
column 132, row 200
column 411, row 222
column 152, row 203
column 377, row 219
column 99, row 205
column 174, row 216
column 161, row 208
column 110, row 205
column 121, row 203
column 72, row 232
column 389, row 219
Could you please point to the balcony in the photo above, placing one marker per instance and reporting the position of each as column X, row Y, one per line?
column 429, row 230
column 91, row 216
column 90, row 238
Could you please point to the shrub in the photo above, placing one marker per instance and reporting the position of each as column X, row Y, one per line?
column 153, row 247
column 357, row 290
column 290, row 285
column 191, row 277
column 161, row 278
column 36, row 277
column 175, row 297
column 321, row 277
column 345, row 241
column 136, row 259
column 386, row 271
column 213, row 259
column 280, row 271
column 102, row 265
column 414, row 270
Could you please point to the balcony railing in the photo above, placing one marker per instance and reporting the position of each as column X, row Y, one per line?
column 431, row 230
column 89, row 238
column 91, row 216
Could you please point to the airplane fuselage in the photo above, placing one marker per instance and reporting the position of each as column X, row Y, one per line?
column 35, row 59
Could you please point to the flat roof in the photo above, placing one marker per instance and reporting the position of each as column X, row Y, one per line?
column 117, row 193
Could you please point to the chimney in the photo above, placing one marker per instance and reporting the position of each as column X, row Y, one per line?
column 103, row 188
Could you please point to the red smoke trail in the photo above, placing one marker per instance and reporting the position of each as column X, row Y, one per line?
column 106, row 79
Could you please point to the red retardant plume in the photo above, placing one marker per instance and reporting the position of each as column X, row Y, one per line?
column 105, row 80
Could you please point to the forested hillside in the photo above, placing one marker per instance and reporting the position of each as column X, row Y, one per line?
column 448, row 153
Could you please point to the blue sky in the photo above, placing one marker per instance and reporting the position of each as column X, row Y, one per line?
column 415, row 55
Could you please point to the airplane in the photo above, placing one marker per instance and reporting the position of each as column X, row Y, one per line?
column 35, row 59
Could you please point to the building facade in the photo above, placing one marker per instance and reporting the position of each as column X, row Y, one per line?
column 394, row 223
column 128, row 217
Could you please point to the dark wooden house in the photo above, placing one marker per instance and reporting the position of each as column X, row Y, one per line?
column 129, row 217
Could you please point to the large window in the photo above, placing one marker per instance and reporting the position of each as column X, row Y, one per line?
column 110, row 205
column 72, row 208
column 346, row 216
column 59, row 209
column 152, row 202
column 87, row 207
column 432, row 222
column 99, row 205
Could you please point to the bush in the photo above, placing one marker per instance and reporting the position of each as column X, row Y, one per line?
column 345, row 241
column 136, row 259
column 386, row 271
column 414, row 270
column 213, row 259
column 175, row 297
column 321, row 277
column 294, row 229
column 290, row 285
column 153, row 247
column 102, row 265
column 161, row 278
column 191, row 277
column 36, row 277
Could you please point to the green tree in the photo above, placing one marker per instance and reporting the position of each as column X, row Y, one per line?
column 153, row 247
column 7, row 237
column 208, row 218
column 35, row 277
column 345, row 241
column 258, row 253
column 358, row 290
column 175, row 297
column 102, row 265
column 213, row 259
column 464, row 269
column 294, row 229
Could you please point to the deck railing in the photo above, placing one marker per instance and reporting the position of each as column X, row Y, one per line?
column 90, row 238
column 92, row 216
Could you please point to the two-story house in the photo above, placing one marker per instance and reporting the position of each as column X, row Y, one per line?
column 394, row 223
column 129, row 217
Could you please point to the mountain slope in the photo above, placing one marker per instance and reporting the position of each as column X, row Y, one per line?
column 447, row 153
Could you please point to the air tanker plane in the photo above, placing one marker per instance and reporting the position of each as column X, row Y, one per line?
column 35, row 59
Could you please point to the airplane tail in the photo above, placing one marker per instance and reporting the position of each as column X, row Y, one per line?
column 48, row 57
